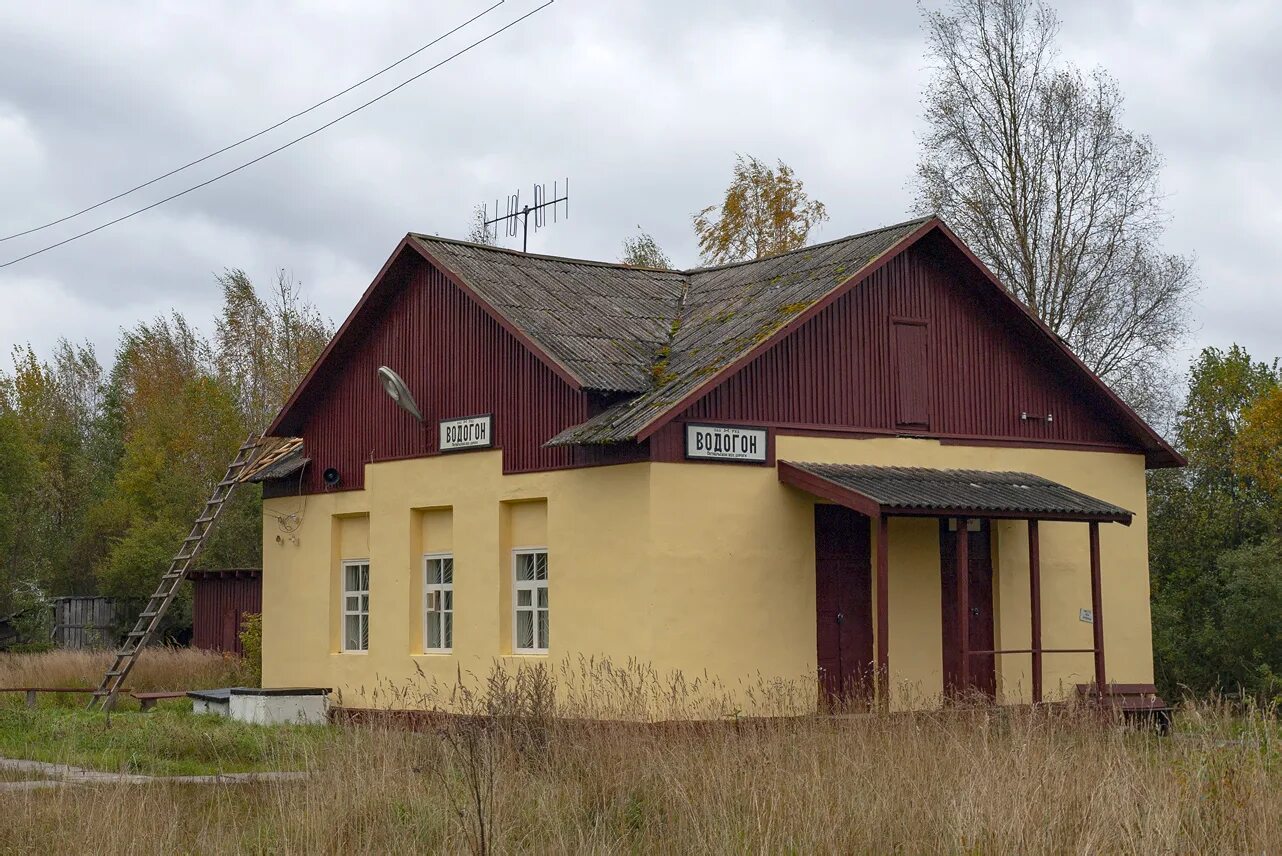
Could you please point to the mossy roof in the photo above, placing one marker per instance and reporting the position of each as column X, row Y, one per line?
column 652, row 335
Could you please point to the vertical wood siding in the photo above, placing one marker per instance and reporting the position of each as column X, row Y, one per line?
column 220, row 603
column 457, row 361
column 980, row 371
column 84, row 622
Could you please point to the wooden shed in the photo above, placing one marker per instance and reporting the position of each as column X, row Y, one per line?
column 221, row 598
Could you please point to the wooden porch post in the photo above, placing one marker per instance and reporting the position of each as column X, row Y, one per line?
column 1097, row 609
column 1035, row 597
column 883, row 611
column 963, row 599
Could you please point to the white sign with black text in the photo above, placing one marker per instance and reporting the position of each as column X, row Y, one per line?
column 469, row 432
column 725, row 443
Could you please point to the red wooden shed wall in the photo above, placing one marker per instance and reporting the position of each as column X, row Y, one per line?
column 220, row 601
column 982, row 369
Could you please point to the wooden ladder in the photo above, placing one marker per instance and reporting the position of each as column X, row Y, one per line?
column 158, row 605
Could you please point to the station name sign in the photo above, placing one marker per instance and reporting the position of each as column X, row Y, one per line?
column 468, row 432
column 725, row 443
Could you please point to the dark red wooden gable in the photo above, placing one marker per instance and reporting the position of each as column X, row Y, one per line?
column 918, row 348
column 457, row 361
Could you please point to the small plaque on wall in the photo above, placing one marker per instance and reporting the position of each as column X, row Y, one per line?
column 725, row 443
column 467, row 432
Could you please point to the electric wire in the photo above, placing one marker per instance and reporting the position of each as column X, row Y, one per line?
column 281, row 147
column 254, row 136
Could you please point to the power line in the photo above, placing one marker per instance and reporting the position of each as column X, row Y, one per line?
column 280, row 148
column 252, row 136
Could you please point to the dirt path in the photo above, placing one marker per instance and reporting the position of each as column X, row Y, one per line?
column 60, row 775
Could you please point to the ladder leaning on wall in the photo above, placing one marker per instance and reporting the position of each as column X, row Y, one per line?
column 158, row 605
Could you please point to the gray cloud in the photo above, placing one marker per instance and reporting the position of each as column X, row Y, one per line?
column 643, row 105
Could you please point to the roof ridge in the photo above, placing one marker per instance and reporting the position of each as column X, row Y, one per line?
column 809, row 247
column 681, row 272
column 545, row 257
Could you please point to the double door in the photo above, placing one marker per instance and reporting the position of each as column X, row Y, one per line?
column 978, row 622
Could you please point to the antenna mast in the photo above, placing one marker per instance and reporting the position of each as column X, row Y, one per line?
column 518, row 215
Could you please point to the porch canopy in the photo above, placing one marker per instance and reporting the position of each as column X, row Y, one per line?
column 925, row 492
column 884, row 492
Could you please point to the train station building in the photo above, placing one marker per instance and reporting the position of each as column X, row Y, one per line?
column 860, row 466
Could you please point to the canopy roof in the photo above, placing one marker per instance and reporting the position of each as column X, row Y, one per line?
column 925, row 492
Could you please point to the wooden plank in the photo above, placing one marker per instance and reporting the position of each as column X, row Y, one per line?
column 1035, row 604
column 45, row 690
column 883, row 611
column 963, row 600
column 987, row 651
column 1097, row 609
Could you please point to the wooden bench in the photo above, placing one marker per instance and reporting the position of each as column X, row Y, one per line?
column 1133, row 701
column 148, row 700
column 32, row 691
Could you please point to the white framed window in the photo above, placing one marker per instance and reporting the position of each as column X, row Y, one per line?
column 356, row 605
column 438, row 602
column 530, row 601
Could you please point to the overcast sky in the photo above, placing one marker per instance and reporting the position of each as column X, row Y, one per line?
column 642, row 104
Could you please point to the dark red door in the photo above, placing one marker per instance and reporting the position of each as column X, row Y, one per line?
column 231, row 631
column 843, row 601
column 983, row 674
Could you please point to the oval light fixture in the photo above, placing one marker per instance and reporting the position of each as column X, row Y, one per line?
column 400, row 393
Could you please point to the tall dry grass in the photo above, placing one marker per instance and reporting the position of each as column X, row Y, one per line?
column 159, row 668
column 979, row 780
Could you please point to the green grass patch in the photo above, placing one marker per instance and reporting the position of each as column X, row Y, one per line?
column 163, row 742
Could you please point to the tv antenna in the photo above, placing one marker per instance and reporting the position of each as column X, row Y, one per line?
column 518, row 215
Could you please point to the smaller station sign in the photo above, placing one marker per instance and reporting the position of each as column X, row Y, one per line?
column 725, row 443
column 467, row 432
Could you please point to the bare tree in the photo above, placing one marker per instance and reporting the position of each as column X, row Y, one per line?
column 643, row 250
column 765, row 212
column 478, row 232
column 1027, row 159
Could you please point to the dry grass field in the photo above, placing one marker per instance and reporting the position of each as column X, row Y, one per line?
column 979, row 780
column 160, row 669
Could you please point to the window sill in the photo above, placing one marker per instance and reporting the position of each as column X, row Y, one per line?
column 445, row 653
column 527, row 654
column 350, row 653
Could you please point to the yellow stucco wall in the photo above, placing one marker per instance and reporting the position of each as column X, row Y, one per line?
column 705, row 569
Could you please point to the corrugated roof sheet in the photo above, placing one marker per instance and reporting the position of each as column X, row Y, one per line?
column 726, row 311
column 604, row 323
column 923, row 489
